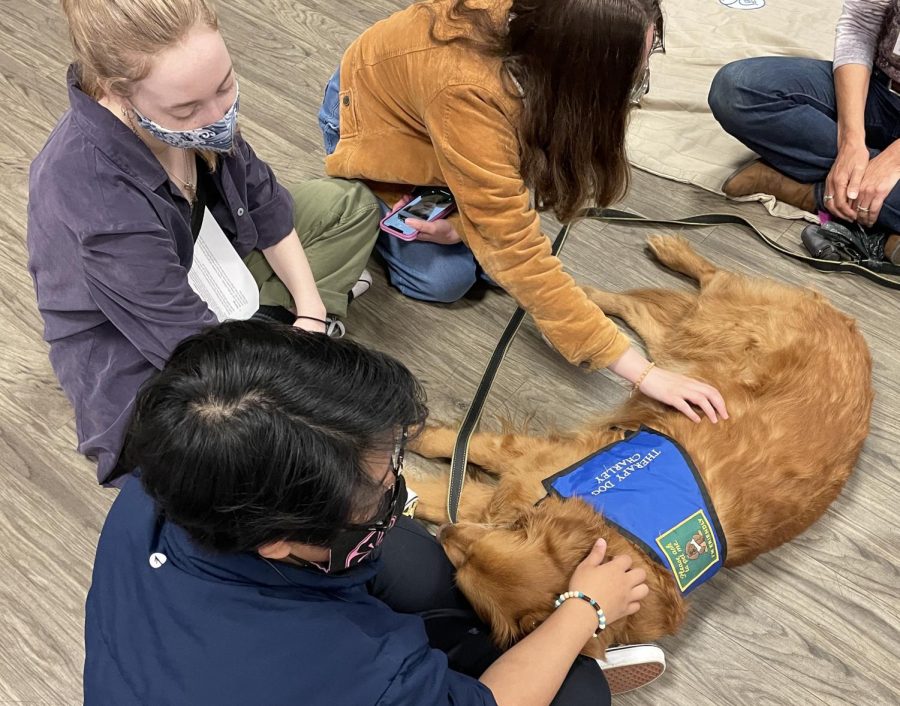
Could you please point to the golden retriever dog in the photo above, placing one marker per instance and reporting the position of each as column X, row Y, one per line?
column 795, row 374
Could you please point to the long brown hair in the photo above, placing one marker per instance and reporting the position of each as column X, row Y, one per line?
column 577, row 62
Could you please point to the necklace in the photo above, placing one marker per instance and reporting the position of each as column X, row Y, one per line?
column 187, row 186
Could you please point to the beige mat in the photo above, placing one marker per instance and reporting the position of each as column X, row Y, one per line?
column 674, row 134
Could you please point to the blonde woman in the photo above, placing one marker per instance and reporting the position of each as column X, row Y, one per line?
column 149, row 145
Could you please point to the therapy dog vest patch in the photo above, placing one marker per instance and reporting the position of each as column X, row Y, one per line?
column 647, row 486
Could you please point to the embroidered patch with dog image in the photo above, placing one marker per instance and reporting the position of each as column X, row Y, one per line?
column 690, row 548
column 648, row 488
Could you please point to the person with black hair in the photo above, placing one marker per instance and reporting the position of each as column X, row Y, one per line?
column 245, row 564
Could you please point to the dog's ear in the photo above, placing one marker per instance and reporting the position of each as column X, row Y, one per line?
column 570, row 527
column 504, row 632
column 512, row 502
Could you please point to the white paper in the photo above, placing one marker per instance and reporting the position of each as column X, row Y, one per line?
column 219, row 276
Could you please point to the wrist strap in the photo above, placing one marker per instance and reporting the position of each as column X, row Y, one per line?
column 601, row 616
column 313, row 318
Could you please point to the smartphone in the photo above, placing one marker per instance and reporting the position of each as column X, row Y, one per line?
column 428, row 204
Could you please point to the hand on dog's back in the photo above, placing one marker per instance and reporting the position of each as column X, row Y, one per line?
column 617, row 588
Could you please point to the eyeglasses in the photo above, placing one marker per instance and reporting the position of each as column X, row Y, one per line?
column 393, row 495
column 642, row 87
column 399, row 450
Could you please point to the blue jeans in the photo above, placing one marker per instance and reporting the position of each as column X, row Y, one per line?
column 426, row 271
column 785, row 110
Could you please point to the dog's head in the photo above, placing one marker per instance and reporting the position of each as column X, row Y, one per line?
column 513, row 573
column 696, row 546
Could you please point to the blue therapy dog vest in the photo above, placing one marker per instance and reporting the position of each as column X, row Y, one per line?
column 647, row 486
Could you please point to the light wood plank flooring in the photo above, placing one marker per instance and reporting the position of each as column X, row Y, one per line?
column 815, row 622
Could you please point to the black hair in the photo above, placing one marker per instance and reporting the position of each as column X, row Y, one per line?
column 254, row 433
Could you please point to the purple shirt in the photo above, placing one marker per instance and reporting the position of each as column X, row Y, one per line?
column 110, row 246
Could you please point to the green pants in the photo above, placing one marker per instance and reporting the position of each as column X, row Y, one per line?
column 337, row 222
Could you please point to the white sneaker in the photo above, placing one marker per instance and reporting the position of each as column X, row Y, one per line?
column 334, row 328
column 630, row 667
column 362, row 285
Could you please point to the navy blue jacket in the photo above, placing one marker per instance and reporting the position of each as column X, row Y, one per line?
column 168, row 623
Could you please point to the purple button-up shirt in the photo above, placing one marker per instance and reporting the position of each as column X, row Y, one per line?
column 110, row 246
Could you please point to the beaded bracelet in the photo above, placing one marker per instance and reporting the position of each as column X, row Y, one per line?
column 640, row 380
column 601, row 616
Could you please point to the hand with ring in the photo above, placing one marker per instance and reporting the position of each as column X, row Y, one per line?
column 881, row 176
column 843, row 181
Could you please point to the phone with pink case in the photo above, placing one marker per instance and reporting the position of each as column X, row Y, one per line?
column 428, row 204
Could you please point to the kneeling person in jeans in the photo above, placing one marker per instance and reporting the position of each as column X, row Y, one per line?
column 244, row 564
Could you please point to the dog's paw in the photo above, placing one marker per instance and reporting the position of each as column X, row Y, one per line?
column 678, row 255
column 669, row 248
column 433, row 441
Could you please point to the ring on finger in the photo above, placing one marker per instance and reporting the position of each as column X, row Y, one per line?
column 862, row 209
column 828, row 197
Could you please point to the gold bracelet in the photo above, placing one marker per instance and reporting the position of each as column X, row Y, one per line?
column 640, row 380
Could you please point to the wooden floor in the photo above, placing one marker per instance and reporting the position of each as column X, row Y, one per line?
column 815, row 622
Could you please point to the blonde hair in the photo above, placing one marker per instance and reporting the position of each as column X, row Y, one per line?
column 114, row 40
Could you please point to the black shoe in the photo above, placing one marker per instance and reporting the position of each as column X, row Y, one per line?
column 848, row 243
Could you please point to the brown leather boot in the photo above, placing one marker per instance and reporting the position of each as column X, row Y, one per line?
column 759, row 178
column 892, row 249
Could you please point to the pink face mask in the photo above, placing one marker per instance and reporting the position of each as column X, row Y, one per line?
column 354, row 546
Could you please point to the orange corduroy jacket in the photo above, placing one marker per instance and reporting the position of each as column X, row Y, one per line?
column 416, row 111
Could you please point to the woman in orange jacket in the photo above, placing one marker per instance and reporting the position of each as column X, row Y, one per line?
column 518, row 106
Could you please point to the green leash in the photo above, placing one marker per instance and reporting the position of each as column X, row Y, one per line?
column 473, row 414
